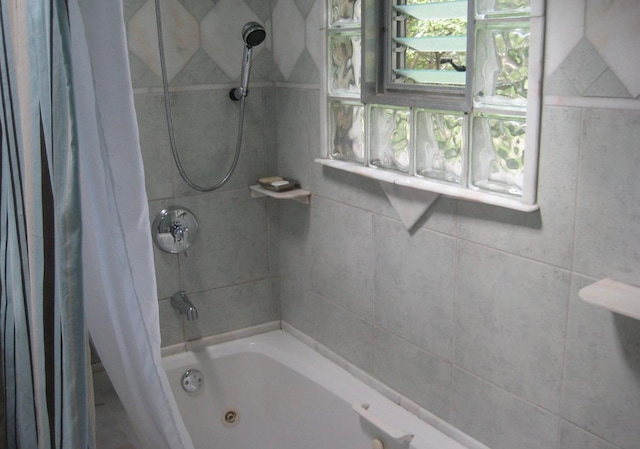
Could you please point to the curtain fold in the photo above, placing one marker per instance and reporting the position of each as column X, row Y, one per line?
column 119, row 276
column 42, row 328
column 75, row 243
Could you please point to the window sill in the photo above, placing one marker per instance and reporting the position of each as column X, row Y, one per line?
column 430, row 186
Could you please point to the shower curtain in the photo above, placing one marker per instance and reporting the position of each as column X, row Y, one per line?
column 75, row 244
column 44, row 339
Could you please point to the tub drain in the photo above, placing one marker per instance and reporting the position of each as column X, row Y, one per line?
column 230, row 417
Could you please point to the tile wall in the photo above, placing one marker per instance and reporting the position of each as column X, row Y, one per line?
column 227, row 273
column 475, row 315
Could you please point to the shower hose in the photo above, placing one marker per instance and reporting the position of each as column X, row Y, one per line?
column 172, row 137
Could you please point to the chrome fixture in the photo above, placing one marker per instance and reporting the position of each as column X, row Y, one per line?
column 174, row 229
column 253, row 34
column 192, row 380
column 182, row 303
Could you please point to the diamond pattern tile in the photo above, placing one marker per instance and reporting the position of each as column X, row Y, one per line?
column 221, row 35
column 314, row 24
column 305, row 5
column 141, row 74
column 198, row 8
column 288, row 35
column 200, row 70
column 180, row 36
column 305, row 70
column 565, row 28
column 583, row 66
column 612, row 27
column 261, row 7
column 130, row 7
column 203, row 35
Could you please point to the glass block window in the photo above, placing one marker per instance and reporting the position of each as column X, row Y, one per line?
column 439, row 95
column 440, row 145
column 344, row 12
column 344, row 64
column 346, row 128
column 498, row 153
column 502, row 76
column 389, row 137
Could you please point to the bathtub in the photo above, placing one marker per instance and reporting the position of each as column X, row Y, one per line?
column 271, row 391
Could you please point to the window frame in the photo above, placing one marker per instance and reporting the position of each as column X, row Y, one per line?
column 376, row 41
column 370, row 95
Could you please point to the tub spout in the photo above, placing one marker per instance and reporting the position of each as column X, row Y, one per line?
column 181, row 301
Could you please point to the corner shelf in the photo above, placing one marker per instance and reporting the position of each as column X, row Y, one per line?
column 614, row 296
column 299, row 195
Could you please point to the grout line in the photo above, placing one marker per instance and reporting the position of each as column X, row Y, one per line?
column 592, row 102
column 565, row 350
column 197, row 87
column 454, row 329
column 576, row 197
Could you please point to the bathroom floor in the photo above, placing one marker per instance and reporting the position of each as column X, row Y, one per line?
column 113, row 429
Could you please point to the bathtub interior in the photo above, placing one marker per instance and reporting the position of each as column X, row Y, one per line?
column 286, row 395
column 277, row 407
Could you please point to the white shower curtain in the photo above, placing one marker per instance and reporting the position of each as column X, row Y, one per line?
column 121, row 306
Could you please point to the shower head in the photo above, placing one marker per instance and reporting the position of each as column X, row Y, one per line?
column 253, row 34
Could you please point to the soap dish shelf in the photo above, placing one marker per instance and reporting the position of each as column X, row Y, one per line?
column 614, row 296
column 300, row 195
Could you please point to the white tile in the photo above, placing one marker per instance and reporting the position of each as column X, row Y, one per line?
column 499, row 419
column 342, row 250
column 612, row 28
column 179, row 32
column 288, row 35
column 607, row 232
column 414, row 285
column 565, row 28
column 413, row 372
column 221, row 35
column 314, row 33
column 510, row 322
column 601, row 389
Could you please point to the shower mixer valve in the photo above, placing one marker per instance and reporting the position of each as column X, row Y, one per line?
column 174, row 229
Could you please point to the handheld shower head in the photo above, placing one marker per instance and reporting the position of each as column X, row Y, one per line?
column 253, row 34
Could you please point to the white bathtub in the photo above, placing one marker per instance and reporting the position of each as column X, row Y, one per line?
column 288, row 396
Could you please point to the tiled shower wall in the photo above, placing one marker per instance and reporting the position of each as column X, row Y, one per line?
column 475, row 315
column 227, row 272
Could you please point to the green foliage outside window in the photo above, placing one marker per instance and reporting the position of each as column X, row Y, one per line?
column 416, row 60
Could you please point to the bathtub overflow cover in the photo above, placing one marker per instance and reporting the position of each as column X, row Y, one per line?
column 192, row 380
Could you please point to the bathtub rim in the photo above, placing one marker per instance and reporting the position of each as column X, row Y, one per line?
column 407, row 405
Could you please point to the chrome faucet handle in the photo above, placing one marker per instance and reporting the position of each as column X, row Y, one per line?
column 177, row 231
